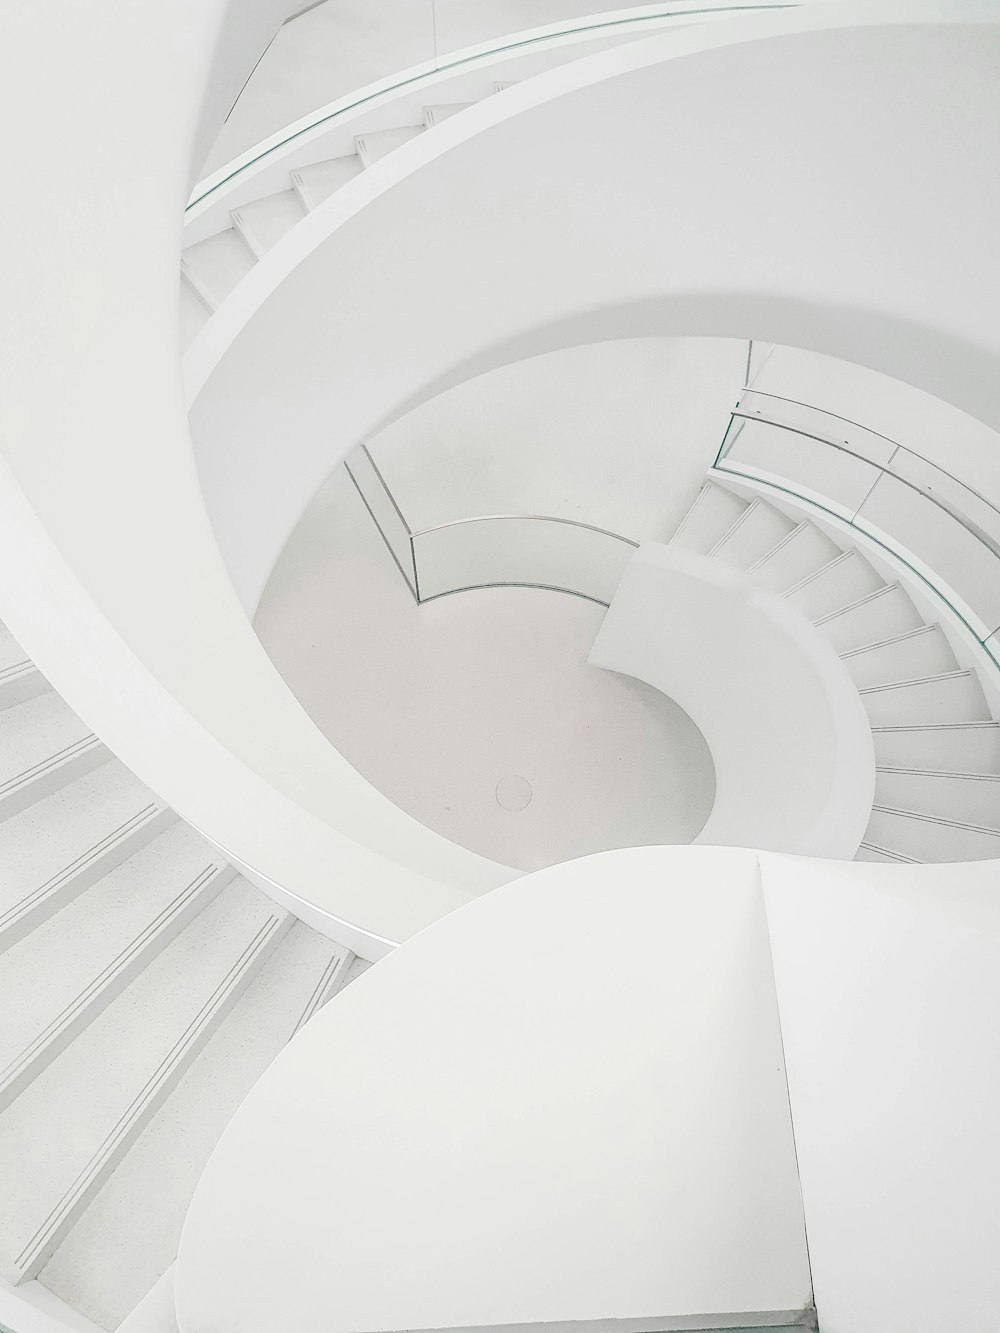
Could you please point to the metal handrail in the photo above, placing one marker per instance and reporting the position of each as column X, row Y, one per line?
column 824, row 411
column 534, row 37
column 963, row 519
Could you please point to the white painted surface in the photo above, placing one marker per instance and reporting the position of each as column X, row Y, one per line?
column 789, row 738
column 533, row 1120
column 618, row 434
column 339, row 46
column 888, row 987
column 435, row 704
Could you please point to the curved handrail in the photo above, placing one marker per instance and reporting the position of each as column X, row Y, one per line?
column 423, row 568
column 532, row 38
column 848, row 421
column 854, row 514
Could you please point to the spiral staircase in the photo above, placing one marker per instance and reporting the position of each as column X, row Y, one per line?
column 189, row 875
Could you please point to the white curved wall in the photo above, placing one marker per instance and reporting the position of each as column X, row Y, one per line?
column 631, row 235
column 789, row 737
column 120, row 596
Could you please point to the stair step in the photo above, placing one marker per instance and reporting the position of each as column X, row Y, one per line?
column 963, row 747
column 803, row 552
column 868, row 852
column 838, row 584
column 881, row 614
column 315, row 183
column 63, row 844
column 194, row 314
column 43, row 745
column 710, row 517
column 910, row 656
column 20, row 679
column 435, row 115
column 755, row 532
column 921, row 838
column 955, row 696
column 969, row 798
column 215, row 265
column 129, row 1234
column 90, row 951
column 89, row 1105
column 376, row 144
column 263, row 222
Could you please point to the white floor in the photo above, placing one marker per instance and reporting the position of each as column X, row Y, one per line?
column 477, row 713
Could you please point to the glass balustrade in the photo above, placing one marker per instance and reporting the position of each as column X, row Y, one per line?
column 944, row 530
column 493, row 550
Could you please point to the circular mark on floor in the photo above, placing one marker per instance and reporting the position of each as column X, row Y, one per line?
column 513, row 792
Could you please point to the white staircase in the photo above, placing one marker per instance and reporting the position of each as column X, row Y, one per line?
column 213, row 266
column 937, row 748
column 144, row 987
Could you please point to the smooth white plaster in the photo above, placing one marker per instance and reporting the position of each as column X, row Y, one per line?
column 523, row 1117
column 888, row 988
column 553, row 184
column 435, row 704
column 788, row 734
column 617, row 434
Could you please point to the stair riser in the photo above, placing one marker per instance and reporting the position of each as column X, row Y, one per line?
column 37, row 907
column 17, row 687
column 67, row 1211
column 42, row 782
column 40, row 1054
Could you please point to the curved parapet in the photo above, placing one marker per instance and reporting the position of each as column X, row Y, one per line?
column 790, row 740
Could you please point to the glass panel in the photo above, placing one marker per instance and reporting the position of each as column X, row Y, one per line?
column 956, row 559
column 362, row 470
column 812, row 466
column 952, row 494
column 537, row 552
column 814, row 421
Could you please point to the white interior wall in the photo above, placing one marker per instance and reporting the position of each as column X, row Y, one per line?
column 616, row 434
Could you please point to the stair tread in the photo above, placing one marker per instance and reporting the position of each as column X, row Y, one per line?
column 268, row 219
column 969, row 799
column 886, row 611
column 129, row 1234
column 34, row 731
column 709, row 517
column 754, row 532
column 217, row 264
column 925, row 839
column 376, row 144
column 322, row 179
column 76, row 945
column 75, row 1115
column 39, row 843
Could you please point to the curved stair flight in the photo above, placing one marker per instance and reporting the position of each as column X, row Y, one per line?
column 937, row 748
column 144, row 987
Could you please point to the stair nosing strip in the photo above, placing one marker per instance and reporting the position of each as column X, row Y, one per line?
column 938, row 773
column 930, row 627
column 129, row 826
column 71, row 751
column 886, row 851
column 54, row 1219
column 851, row 606
column 936, row 819
column 117, row 964
column 916, row 680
